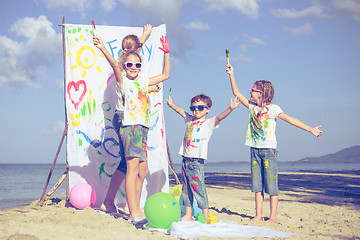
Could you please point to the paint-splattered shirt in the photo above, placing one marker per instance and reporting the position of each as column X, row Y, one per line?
column 262, row 126
column 137, row 102
column 197, row 136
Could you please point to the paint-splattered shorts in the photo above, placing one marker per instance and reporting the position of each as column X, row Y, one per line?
column 194, row 182
column 134, row 138
column 117, row 121
column 264, row 173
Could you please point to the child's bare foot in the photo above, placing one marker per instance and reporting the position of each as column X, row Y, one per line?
column 187, row 218
column 108, row 208
column 256, row 219
column 272, row 220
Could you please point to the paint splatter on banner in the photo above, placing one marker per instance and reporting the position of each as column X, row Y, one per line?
column 92, row 142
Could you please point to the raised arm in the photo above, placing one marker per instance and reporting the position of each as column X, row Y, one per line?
column 177, row 109
column 98, row 42
column 233, row 104
column 234, row 86
column 155, row 88
column 146, row 33
column 297, row 123
column 166, row 70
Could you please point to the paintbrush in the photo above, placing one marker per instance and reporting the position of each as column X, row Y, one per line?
column 227, row 53
column 93, row 26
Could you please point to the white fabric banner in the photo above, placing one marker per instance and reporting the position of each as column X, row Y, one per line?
column 92, row 143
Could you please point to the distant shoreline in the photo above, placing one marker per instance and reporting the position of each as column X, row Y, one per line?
column 209, row 162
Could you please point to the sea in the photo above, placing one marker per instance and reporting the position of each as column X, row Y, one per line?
column 21, row 184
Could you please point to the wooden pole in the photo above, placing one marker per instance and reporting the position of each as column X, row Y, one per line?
column 43, row 199
column 171, row 165
column 64, row 57
column 53, row 165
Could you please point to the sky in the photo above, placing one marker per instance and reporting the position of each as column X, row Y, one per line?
column 309, row 50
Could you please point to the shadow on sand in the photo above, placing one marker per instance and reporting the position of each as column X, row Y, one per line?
column 335, row 188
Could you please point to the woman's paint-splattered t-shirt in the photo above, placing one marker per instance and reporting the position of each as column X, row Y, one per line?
column 137, row 101
column 197, row 136
column 262, row 126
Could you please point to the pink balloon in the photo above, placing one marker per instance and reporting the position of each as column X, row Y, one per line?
column 82, row 195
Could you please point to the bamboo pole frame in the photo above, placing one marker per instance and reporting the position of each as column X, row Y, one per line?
column 42, row 199
column 66, row 173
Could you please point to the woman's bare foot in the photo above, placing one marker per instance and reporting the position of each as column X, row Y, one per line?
column 256, row 219
column 108, row 208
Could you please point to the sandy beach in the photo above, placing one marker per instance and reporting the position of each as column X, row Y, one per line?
column 312, row 205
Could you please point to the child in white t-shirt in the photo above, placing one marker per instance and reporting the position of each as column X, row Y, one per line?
column 261, row 139
column 135, row 125
column 194, row 149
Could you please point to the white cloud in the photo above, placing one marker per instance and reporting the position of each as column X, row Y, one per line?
column 303, row 30
column 56, row 128
column 243, row 58
column 241, row 54
column 39, row 33
column 255, row 41
column 74, row 5
column 198, row 25
column 169, row 12
column 348, row 7
column 312, row 11
column 107, row 5
column 249, row 8
column 23, row 63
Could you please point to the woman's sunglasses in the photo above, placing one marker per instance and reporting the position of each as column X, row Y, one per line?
column 130, row 64
column 199, row 107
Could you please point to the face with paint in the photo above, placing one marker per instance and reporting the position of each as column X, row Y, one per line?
column 131, row 65
column 262, row 93
column 200, row 115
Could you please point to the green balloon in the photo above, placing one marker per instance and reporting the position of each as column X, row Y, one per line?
column 161, row 210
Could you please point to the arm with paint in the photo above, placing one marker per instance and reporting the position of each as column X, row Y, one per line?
column 234, row 86
column 166, row 70
column 177, row 109
column 155, row 88
column 98, row 42
column 297, row 123
column 233, row 104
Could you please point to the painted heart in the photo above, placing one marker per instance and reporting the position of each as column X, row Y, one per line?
column 78, row 93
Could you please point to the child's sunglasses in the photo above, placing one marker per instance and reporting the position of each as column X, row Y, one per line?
column 256, row 90
column 130, row 64
column 199, row 107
